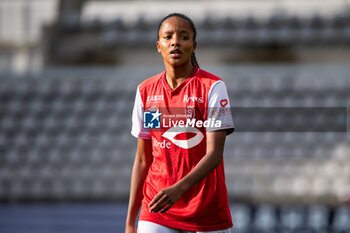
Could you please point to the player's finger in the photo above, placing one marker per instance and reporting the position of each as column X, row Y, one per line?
column 155, row 199
column 167, row 207
column 157, row 208
column 159, row 204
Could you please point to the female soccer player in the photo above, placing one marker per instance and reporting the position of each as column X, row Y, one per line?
column 178, row 173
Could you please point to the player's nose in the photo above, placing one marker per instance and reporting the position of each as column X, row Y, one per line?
column 175, row 41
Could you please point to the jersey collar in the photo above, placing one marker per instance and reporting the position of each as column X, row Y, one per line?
column 183, row 84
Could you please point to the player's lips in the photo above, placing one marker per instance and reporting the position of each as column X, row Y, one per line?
column 175, row 53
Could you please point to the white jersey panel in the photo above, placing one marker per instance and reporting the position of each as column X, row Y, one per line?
column 219, row 106
column 137, row 129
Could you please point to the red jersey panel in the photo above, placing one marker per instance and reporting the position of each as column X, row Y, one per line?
column 177, row 121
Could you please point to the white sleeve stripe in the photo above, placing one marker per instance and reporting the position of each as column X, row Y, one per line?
column 218, row 93
column 210, row 93
column 137, row 118
column 139, row 96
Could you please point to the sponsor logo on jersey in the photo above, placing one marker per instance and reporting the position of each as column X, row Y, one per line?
column 189, row 99
column 163, row 144
column 187, row 143
column 151, row 119
column 218, row 112
column 155, row 98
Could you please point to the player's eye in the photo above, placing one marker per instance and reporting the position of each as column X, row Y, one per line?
column 184, row 37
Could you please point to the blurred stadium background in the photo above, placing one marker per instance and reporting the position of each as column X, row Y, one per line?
column 68, row 76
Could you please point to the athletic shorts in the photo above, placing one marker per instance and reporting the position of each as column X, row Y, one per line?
column 150, row 227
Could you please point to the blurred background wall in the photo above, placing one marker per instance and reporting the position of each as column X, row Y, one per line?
column 68, row 75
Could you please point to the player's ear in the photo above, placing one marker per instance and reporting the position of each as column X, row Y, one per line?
column 158, row 47
column 194, row 45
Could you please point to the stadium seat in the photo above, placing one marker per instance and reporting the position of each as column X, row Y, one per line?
column 292, row 218
column 341, row 220
column 242, row 218
column 265, row 219
column 318, row 218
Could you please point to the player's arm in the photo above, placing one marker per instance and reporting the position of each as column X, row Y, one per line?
column 168, row 196
column 141, row 165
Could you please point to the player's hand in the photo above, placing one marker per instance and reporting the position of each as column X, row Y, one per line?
column 130, row 229
column 165, row 199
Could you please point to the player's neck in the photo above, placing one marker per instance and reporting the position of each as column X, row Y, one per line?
column 175, row 76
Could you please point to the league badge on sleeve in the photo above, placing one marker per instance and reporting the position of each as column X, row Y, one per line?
column 223, row 102
column 151, row 119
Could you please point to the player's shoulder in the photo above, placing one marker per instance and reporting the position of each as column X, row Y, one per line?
column 207, row 78
column 150, row 81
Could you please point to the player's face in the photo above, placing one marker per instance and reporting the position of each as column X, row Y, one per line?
column 176, row 42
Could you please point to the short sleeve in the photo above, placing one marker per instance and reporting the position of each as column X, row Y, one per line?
column 219, row 107
column 137, row 129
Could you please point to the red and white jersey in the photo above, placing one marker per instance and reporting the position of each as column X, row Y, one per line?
column 183, row 117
